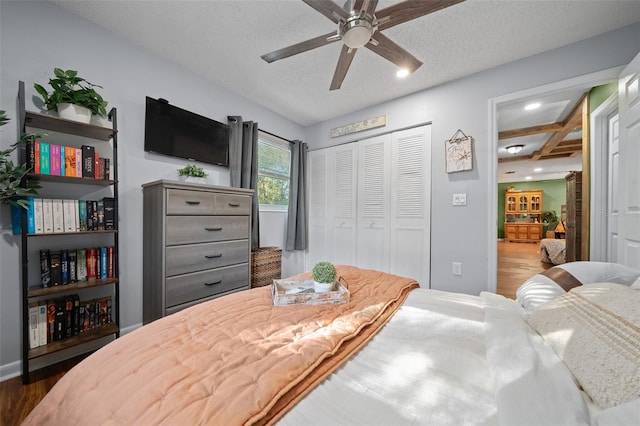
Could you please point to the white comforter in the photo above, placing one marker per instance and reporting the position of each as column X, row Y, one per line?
column 448, row 358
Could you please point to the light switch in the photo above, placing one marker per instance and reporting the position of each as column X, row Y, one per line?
column 460, row 199
column 456, row 268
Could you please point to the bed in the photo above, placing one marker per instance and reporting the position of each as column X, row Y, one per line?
column 395, row 354
column 553, row 250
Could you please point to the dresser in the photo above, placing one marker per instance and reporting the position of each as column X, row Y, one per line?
column 196, row 242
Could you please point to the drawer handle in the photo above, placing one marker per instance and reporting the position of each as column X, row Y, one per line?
column 213, row 256
column 209, row 228
column 213, row 283
column 193, row 203
column 234, row 204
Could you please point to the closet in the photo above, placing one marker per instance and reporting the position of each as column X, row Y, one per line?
column 369, row 204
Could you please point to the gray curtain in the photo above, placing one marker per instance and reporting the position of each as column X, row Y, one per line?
column 297, row 229
column 243, row 165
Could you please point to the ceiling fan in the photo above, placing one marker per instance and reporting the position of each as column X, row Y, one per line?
column 359, row 25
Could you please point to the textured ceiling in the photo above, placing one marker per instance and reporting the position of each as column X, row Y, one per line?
column 223, row 40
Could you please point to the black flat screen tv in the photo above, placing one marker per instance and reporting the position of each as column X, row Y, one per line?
column 176, row 132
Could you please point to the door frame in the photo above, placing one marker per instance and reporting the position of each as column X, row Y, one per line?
column 586, row 81
column 599, row 177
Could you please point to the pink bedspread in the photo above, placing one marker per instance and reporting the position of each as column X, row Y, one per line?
column 232, row 360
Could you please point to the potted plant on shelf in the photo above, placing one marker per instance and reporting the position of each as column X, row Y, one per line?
column 192, row 173
column 11, row 192
column 550, row 221
column 73, row 97
column 324, row 277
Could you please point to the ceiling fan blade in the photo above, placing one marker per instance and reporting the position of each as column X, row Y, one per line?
column 408, row 10
column 303, row 46
column 344, row 62
column 393, row 53
column 366, row 7
column 329, row 9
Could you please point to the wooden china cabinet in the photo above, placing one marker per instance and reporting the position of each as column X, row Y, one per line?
column 523, row 215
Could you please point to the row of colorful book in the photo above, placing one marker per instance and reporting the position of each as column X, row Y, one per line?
column 70, row 266
column 57, row 319
column 52, row 216
column 45, row 158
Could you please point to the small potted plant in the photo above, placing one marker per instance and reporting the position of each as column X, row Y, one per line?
column 11, row 192
column 73, row 97
column 324, row 277
column 192, row 173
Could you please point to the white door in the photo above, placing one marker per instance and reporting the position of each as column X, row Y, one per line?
column 410, row 204
column 318, row 207
column 629, row 110
column 373, row 203
column 343, row 183
column 613, row 187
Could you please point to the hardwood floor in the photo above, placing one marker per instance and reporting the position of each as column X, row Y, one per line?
column 516, row 263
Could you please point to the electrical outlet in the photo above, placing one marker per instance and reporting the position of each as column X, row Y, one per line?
column 456, row 268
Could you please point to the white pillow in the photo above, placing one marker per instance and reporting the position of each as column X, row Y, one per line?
column 595, row 330
column 537, row 290
column 636, row 284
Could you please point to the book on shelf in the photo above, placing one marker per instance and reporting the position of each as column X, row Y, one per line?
column 64, row 267
column 88, row 156
column 45, row 268
column 38, row 215
column 78, row 162
column 81, row 264
column 69, row 211
column 82, row 215
column 34, row 337
column 96, row 165
column 89, row 209
column 51, row 320
column 47, row 215
column 76, row 314
column 58, row 216
column 69, row 161
column 109, row 213
column 56, row 268
column 60, row 325
column 54, row 159
column 36, row 162
column 104, row 264
column 31, row 154
column 110, row 261
column 63, row 166
column 91, row 263
column 45, row 164
column 68, row 316
column 94, row 215
column 100, row 215
column 42, row 323
column 72, row 266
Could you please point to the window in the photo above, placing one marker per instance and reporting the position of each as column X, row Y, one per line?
column 274, row 164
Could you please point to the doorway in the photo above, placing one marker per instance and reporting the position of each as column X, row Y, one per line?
column 585, row 83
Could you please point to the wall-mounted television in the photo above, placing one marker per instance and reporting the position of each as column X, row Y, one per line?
column 176, row 132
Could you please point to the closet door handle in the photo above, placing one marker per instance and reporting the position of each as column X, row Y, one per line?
column 234, row 204
column 213, row 283
column 192, row 203
column 213, row 256
column 210, row 228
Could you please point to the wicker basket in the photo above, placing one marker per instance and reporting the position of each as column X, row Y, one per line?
column 266, row 266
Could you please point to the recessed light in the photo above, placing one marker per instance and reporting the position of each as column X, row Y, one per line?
column 537, row 169
column 532, row 106
column 402, row 73
column 528, row 178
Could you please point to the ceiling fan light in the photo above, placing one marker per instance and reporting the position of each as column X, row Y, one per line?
column 357, row 37
column 514, row 149
column 402, row 73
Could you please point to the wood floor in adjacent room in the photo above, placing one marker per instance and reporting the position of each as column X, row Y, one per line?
column 516, row 263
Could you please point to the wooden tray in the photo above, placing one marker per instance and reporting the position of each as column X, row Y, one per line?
column 300, row 292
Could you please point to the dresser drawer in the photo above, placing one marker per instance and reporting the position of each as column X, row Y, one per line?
column 186, row 288
column 201, row 229
column 230, row 204
column 185, row 202
column 198, row 257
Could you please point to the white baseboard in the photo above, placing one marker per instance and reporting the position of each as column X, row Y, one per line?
column 13, row 369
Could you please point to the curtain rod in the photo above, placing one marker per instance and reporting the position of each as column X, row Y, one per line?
column 276, row 136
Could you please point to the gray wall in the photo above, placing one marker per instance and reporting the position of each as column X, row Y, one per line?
column 128, row 74
column 35, row 37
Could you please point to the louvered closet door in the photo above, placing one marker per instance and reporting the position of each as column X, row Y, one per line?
column 343, row 183
column 409, row 253
column 373, row 203
column 319, row 197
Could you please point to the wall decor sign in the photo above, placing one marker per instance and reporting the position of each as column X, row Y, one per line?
column 459, row 152
column 370, row 123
